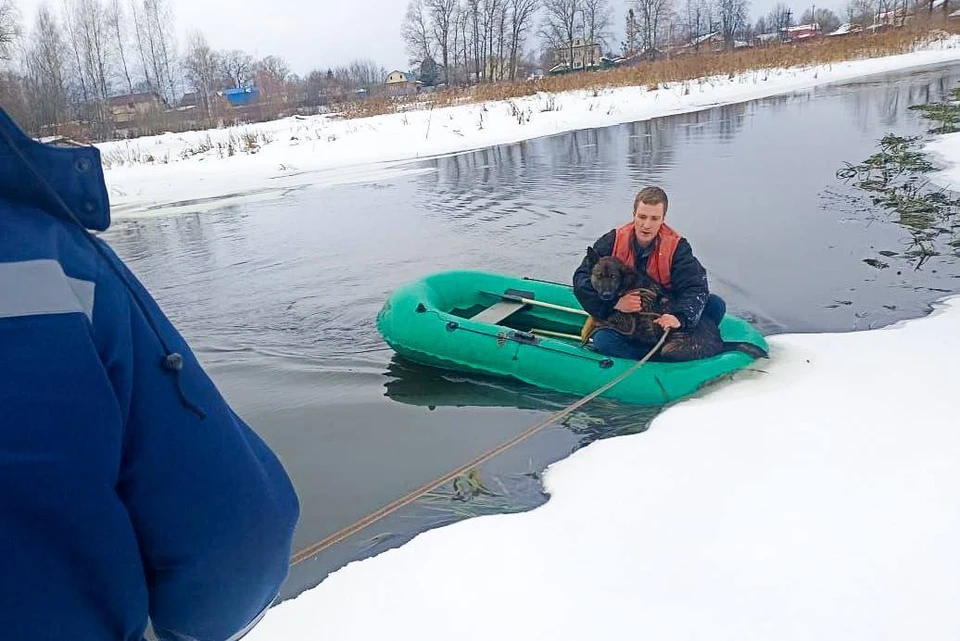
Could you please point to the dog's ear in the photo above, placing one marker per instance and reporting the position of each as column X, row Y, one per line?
column 592, row 256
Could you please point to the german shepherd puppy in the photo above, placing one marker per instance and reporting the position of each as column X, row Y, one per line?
column 612, row 278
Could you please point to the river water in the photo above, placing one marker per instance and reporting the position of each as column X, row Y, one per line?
column 279, row 297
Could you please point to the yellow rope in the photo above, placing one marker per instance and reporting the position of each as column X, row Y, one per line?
column 393, row 506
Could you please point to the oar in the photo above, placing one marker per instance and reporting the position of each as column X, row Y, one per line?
column 547, row 332
column 517, row 297
column 514, row 295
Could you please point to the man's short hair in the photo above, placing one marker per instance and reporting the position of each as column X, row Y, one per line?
column 651, row 196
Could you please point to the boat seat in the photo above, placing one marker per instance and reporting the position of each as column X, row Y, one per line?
column 499, row 312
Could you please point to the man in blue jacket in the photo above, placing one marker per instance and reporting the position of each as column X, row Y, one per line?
column 128, row 487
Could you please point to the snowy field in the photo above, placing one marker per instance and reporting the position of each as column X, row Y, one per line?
column 172, row 170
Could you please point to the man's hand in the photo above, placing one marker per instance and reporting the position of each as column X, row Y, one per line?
column 629, row 303
column 668, row 321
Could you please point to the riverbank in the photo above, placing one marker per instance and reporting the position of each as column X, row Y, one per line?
column 189, row 171
column 805, row 498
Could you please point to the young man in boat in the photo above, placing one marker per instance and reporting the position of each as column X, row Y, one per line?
column 647, row 243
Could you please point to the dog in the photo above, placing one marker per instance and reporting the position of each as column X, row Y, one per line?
column 612, row 278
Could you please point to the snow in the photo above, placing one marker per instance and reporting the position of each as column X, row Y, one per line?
column 945, row 149
column 815, row 499
column 172, row 171
column 813, row 496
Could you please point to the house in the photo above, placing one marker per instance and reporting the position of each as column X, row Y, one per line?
column 240, row 96
column 496, row 68
column 771, row 37
column 189, row 100
column 585, row 55
column 847, row 28
column 400, row 83
column 802, row 32
column 398, row 77
column 712, row 41
column 132, row 106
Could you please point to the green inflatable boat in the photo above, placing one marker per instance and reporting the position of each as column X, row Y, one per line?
column 528, row 330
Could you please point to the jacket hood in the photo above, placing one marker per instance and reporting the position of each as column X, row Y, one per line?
column 75, row 174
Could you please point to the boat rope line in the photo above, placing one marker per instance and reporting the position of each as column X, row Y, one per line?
column 527, row 338
column 393, row 506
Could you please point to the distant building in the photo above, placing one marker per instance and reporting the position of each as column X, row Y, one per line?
column 712, row 41
column 802, row 31
column 400, row 83
column 585, row 55
column 129, row 107
column 189, row 100
column 240, row 96
column 847, row 28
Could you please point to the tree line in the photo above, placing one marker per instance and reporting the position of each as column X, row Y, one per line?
column 73, row 61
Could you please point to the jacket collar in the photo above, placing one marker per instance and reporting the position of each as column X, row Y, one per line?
column 642, row 253
column 73, row 174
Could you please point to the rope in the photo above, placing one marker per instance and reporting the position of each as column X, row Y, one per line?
column 393, row 506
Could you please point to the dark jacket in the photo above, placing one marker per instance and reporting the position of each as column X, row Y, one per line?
column 128, row 486
column 688, row 280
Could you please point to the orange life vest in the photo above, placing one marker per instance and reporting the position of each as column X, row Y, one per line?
column 658, row 265
column 665, row 246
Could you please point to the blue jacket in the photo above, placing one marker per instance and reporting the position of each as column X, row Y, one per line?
column 128, row 487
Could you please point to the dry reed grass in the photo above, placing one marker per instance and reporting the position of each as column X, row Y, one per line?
column 676, row 69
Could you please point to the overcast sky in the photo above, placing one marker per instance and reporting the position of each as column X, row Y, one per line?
column 311, row 34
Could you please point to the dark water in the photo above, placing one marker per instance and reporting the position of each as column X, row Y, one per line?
column 279, row 297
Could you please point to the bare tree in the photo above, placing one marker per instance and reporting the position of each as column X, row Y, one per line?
column 44, row 62
column 780, row 18
column 559, row 26
column 416, row 32
column 72, row 18
column 87, row 29
column 825, row 18
column 237, row 67
column 442, row 14
column 732, row 16
column 366, row 73
column 9, row 28
column 492, row 44
column 456, row 45
column 359, row 74
column 495, row 21
column 202, row 66
column 271, row 75
column 631, row 32
column 521, row 19
column 275, row 67
column 464, row 22
column 596, row 21
column 153, row 22
column 119, row 33
column 698, row 20
column 474, row 37
column 652, row 17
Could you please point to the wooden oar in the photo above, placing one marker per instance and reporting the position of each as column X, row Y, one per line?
column 530, row 301
column 517, row 297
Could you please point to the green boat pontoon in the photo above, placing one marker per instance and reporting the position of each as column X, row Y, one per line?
column 528, row 330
